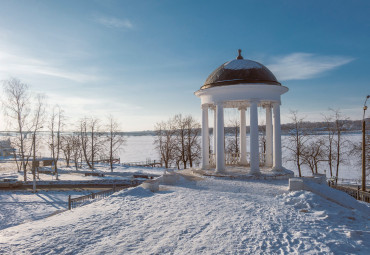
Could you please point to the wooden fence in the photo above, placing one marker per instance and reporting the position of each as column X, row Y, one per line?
column 356, row 193
column 114, row 161
column 79, row 201
column 147, row 163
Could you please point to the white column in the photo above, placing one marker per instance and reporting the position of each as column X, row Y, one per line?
column 205, row 138
column 220, row 150
column 243, row 140
column 254, row 161
column 214, row 131
column 268, row 136
column 277, row 138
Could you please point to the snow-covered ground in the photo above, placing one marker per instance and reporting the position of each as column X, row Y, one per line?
column 209, row 216
column 17, row 207
column 70, row 173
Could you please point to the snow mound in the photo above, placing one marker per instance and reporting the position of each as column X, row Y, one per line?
column 136, row 192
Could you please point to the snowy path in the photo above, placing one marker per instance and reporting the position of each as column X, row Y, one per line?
column 206, row 217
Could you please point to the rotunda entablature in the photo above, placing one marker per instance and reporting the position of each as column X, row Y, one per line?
column 241, row 93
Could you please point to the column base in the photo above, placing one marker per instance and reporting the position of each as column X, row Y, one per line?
column 219, row 171
column 243, row 163
column 268, row 165
column 278, row 169
column 255, row 171
column 205, row 168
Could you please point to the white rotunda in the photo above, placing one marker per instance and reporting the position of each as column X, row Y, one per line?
column 242, row 84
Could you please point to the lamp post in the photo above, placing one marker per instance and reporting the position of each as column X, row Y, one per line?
column 364, row 147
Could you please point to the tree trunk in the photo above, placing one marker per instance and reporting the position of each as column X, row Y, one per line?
column 34, row 163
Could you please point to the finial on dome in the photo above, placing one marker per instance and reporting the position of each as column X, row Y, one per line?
column 240, row 54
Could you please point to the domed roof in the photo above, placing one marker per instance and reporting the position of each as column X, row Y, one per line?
column 240, row 71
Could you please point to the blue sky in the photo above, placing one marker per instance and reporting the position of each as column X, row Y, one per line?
column 141, row 61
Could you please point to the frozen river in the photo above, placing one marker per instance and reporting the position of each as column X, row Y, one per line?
column 141, row 148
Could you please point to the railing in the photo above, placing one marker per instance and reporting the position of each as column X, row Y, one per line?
column 356, row 193
column 212, row 160
column 147, row 163
column 79, row 201
column 104, row 160
column 233, row 159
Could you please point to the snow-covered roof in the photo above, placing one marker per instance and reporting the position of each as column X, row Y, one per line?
column 240, row 71
column 239, row 64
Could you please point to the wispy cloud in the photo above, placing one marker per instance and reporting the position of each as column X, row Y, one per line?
column 301, row 66
column 15, row 65
column 113, row 22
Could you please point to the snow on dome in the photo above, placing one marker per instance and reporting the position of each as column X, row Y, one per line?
column 238, row 64
column 240, row 71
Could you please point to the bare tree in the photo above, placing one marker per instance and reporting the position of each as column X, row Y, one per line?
column 340, row 126
column 114, row 138
column 330, row 129
column 233, row 140
column 16, row 106
column 297, row 139
column 357, row 151
column 91, row 140
column 66, row 147
column 37, row 121
column 55, row 126
column 177, row 141
column 187, row 132
column 84, row 141
column 179, row 126
column 313, row 153
column 193, row 148
column 76, row 148
column 165, row 142
column 95, row 142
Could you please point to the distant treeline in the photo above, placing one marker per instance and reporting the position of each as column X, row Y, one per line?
column 352, row 126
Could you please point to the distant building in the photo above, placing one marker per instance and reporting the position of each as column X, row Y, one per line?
column 6, row 148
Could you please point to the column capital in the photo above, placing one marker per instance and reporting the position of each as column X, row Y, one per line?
column 244, row 107
column 274, row 104
column 254, row 100
column 220, row 103
column 267, row 105
column 205, row 106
